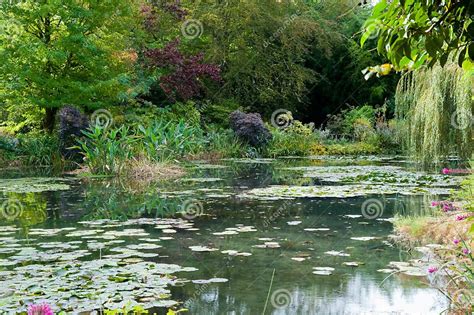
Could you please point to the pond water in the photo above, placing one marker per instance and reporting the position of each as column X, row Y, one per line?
column 287, row 236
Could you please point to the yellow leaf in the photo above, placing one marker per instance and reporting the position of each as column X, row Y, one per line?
column 385, row 69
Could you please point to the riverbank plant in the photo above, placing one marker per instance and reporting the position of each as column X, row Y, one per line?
column 452, row 268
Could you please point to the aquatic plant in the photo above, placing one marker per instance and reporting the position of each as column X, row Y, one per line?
column 288, row 143
column 40, row 309
column 163, row 140
column 436, row 108
column 39, row 150
column 106, row 151
column 224, row 143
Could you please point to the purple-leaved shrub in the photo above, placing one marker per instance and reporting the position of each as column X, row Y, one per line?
column 71, row 124
column 250, row 128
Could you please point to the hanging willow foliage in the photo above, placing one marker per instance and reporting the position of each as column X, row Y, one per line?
column 435, row 107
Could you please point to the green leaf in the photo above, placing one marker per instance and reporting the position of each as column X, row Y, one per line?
column 431, row 46
column 404, row 62
column 364, row 38
column 470, row 51
column 379, row 8
column 462, row 56
column 443, row 59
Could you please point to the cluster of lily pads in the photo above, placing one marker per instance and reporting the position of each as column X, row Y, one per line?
column 67, row 276
column 35, row 184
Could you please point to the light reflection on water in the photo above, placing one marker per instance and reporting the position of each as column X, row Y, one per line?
column 347, row 291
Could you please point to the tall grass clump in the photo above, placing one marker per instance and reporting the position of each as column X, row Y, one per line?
column 106, row 151
column 114, row 150
column 33, row 149
column 162, row 140
column 436, row 108
column 224, row 144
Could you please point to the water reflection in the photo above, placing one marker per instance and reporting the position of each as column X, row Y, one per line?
column 347, row 291
column 358, row 294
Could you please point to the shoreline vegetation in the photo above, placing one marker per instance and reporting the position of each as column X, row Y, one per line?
column 136, row 90
column 445, row 239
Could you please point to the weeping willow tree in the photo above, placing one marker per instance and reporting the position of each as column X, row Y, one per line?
column 435, row 107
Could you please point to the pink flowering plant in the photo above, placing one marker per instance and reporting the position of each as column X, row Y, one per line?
column 40, row 309
column 456, row 257
column 455, row 277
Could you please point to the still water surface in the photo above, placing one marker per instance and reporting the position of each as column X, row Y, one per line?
column 303, row 230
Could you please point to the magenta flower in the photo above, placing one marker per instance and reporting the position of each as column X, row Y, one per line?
column 445, row 171
column 456, row 241
column 432, row 269
column 461, row 217
column 466, row 251
column 435, row 203
column 40, row 309
column 447, row 207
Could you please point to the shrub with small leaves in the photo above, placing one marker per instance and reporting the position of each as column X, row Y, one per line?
column 250, row 128
column 71, row 125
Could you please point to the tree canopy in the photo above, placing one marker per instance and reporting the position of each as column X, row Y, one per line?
column 57, row 52
column 412, row 33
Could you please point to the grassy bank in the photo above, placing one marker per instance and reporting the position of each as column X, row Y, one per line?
column 451, row 229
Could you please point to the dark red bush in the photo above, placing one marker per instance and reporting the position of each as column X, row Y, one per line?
column 184, row 74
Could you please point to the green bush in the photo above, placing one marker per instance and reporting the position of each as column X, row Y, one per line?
column 33, row 149
column 218, row 114
column 147, row 113
column 40, row 150
column 285, row 143
column 352, row 148
column 364, row 113
column 363, row 130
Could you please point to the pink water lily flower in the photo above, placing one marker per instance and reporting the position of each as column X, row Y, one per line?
column 40, row 309
column 432, row 269
column 445, row 171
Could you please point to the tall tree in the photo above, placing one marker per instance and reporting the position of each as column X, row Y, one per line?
column 262, row 48
column 65, row 51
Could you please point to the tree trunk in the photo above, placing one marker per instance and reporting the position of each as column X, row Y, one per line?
column 49, row 119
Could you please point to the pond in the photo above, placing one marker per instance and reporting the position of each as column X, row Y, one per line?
column 248, row 236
